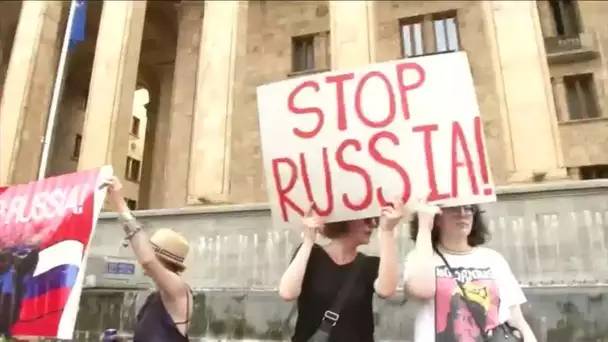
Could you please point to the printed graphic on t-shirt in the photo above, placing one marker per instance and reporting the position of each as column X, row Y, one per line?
column 454, row 321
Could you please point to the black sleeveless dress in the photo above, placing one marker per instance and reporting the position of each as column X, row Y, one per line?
column 154, row 323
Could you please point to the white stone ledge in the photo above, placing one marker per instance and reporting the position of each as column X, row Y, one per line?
column 566, row 185
column 516, row 189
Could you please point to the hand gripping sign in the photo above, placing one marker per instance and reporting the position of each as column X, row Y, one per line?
column 350, row 140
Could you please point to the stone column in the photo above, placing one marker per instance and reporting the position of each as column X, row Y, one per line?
column 113, row 81
column 178, row 120
column 156, row 150
column 27, row 90
column 224, row 25
column 145, row 195
column 353, row 33
column 530, row 131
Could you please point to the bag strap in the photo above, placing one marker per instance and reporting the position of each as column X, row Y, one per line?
column 188, row 294
column 464, row 293
column 331, row 316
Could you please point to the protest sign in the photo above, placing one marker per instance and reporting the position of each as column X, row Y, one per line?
column 353, row 140
column 45, row 230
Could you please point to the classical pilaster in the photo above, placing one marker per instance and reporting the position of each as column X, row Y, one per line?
column 27, row 90
column 113, row 81
column 353, row 33
column 530, row 131
column 156, row 149
column 218, row 75
column 178, row 120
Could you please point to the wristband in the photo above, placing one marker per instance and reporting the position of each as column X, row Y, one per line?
column 129, row 223
column 132, row 233
column 130, row 226
column 126, row 216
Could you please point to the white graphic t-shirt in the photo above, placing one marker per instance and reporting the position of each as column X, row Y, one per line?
column 490, row 286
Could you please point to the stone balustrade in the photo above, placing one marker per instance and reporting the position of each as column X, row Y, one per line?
column 556, row 314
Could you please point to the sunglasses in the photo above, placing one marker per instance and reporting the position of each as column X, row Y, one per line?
column 462, row 209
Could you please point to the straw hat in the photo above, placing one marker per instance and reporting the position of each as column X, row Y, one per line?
column 170, row 246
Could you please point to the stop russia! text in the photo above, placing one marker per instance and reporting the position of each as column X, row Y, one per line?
column 397, row 95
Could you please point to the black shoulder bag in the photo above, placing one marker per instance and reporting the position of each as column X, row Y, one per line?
column 331, row 316
column 502, row 333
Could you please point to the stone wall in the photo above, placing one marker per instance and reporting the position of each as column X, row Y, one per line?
column 556, row 314
column 549, row 233
column 553, row 235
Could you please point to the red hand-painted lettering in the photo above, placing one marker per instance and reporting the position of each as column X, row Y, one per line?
column 306, row 110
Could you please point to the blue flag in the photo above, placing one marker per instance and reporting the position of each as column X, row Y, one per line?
column 79, row 23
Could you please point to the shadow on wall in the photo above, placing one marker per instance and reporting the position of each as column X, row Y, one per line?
column 557, row 315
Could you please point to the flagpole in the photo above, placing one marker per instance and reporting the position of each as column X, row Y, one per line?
column 57, row 89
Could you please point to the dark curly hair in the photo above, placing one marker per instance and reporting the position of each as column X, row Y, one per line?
column 334, row 230
column 479, row 232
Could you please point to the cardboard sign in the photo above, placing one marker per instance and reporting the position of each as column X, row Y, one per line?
column 45, row 230
column 353, row 140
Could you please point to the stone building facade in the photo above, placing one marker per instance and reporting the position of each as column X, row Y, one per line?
column 540, row 71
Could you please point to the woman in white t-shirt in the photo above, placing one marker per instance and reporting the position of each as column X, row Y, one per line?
column 493, row 295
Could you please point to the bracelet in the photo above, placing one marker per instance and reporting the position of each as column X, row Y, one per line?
column 131, row 228
column 125, row 217
column 132, row 233
column 129, row 224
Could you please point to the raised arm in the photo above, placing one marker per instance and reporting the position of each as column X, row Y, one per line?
column 387, row 281
column 290, row 286
column 169, row 283
column 420, row 270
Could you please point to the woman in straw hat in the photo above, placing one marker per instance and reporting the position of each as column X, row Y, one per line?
column 166, row 315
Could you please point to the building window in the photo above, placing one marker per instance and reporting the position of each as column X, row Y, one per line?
column 593, row 172
column 135, row 126
column 303, row 53
column 411, row 37
column 446, row 33
column 565, row 17
column 77, row 145
column 132, row 204
column 581, row 97
column 132, row 171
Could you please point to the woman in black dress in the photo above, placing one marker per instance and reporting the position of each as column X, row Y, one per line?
column 317, row 273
